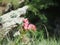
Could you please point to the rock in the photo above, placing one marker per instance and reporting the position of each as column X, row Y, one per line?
column 9, row 20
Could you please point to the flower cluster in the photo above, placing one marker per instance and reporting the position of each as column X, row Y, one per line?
column 28, row 26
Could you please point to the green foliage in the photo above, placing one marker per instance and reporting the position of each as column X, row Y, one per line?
column 40, row 4
column 0, row 1
column 36, row 6
column 33, row 38
column 15, row 3
column 43, row 18
column 37, row 37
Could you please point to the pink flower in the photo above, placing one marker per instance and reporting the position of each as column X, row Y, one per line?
column 25, row 26
column 28, row 26
column 32, row 27
column 26, row 21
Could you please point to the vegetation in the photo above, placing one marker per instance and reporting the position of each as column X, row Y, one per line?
column 30, row 38
column 37, row 16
